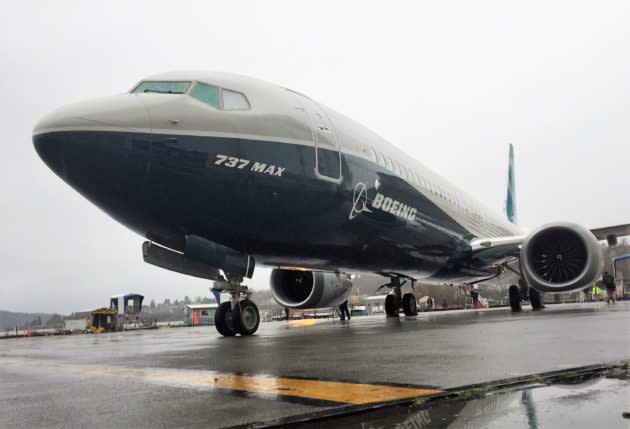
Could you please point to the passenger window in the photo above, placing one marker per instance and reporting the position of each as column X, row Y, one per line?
column 233, row 100
column 380, row 159
column 396, row 168
column 388, row 164
column 207, row 94
column 373, row 154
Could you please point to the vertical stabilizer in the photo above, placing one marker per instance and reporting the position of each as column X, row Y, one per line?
column 510, row 199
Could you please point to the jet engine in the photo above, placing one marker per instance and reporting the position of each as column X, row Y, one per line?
column 309, row 289
column 561, row 257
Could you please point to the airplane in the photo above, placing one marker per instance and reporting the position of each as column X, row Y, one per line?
column 221, row 172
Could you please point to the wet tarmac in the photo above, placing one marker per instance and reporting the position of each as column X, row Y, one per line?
column 590, row 401
column 191, row 376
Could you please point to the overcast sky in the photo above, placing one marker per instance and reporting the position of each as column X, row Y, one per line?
column 449, row 82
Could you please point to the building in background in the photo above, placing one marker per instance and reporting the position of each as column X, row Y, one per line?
column 199, row 314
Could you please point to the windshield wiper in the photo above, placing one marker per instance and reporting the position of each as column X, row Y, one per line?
column 157, row 91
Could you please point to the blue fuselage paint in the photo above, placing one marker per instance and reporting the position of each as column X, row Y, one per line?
column 165, row 187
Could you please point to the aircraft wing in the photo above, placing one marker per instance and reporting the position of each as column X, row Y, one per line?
column 493, row 251
column 618, row 230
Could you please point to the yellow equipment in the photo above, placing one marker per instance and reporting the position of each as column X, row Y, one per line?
column 102, row 320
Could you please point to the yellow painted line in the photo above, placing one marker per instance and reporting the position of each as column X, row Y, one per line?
column 334, row 391
column 304, row 322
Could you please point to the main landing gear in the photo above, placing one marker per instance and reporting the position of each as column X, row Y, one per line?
column 535, row 299
column 515, row 298
column 239, row 315
column 395, row 300
column 516, row 295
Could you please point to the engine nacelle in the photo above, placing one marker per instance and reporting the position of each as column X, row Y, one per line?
column 215, row 255
column 309, row 289
column 561, row 257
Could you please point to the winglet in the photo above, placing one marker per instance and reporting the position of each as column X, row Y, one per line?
column 510, row 199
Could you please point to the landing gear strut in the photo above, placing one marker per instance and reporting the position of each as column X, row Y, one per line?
column 239, row 315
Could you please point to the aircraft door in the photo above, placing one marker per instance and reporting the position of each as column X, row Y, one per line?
column 327, row 148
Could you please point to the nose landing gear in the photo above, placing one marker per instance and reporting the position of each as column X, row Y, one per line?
column 239, row 315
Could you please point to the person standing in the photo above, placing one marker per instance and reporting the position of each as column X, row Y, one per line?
column 609, row 283
column 474, row 294
column 343, row 310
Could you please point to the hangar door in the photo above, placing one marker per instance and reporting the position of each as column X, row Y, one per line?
column 327, row 149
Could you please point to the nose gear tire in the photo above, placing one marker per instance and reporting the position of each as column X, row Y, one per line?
column 224, row 320
column 246, row 317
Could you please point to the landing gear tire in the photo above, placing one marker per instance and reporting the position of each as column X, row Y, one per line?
column 224, row 320
column 409, row 305
column 392, row 305
column 246, row 317
column 515, row 298
column 535, row 299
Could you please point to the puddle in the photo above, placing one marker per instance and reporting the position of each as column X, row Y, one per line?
column 572, row 402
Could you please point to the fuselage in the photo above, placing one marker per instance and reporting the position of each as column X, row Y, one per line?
column 270, row 173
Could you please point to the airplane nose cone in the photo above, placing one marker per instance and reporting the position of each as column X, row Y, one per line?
column 51, row 151
column 101, row 152
column 119, row 111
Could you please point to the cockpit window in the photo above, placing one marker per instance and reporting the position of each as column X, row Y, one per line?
column 207, row 94
column 162, row 87
column 233, row 100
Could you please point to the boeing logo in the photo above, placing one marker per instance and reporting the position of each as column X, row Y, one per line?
column 386, row 204
column 359, row 201
column 389, row 205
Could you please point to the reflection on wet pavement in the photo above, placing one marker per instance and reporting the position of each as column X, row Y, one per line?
column 594, row 403
column 264, row 385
